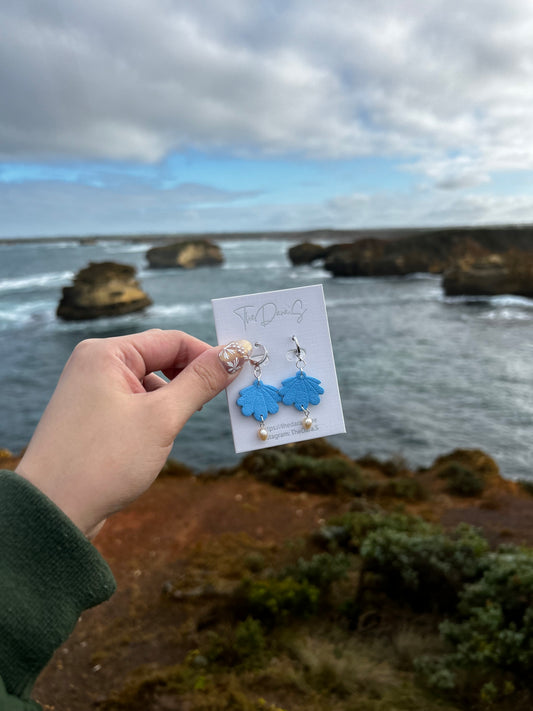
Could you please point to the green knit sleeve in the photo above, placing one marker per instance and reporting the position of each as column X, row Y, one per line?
column 12, row 703
column 49, row 574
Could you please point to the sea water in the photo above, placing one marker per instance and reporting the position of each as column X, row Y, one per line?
column 419, row 374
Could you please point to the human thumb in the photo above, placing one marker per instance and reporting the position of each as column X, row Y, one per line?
column 206, row 376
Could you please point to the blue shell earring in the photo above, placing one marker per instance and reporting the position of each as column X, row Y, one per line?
column 259, row 399
column 301, row 390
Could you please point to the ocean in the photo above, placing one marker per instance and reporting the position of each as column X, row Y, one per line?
column 419, row 374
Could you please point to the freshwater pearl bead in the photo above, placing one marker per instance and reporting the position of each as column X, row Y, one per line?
column 307, row 422
column 262, row 434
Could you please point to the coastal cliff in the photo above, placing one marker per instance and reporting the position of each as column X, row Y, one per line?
column 432, row 251
column 493, row 275
column 303, row 579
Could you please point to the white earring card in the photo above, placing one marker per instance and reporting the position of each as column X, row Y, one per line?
column 271, row 319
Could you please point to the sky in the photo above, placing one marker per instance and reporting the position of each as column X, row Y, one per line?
column 169, row 116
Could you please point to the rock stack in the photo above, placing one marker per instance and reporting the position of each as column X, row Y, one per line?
column 102, row 289
column 185, row 254
column 306, row 253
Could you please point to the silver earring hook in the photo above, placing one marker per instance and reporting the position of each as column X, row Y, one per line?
column 298, row 349
column 300, row 354
column 256, row 362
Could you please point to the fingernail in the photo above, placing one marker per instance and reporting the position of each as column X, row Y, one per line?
column 235, row 354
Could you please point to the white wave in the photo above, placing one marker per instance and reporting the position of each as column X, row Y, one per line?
column 504, row 300
column 117, row 247
column 35, row 281
column 315, row 267
column 251, row 266
column 40, row 245
column 510, row 300
column 332, row 302
column 10, row 316
column 507, row 315
column 422, row 276
column 236, row 265
column 179, row 309
column 103, row 326
column 231, row 245
column 22, row 315
column 60, row 245
column 304, row 271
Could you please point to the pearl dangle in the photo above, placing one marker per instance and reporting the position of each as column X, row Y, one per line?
column 301, row 390
column 259, row 399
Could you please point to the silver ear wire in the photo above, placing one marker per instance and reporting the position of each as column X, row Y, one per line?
column 261, row 358
column 300, row 354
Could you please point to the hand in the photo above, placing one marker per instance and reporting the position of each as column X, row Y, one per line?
column 111, row 422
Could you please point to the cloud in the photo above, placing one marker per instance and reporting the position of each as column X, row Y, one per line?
column 139, row 79
column 428, row 208
column 452, row 172
column 99, row 100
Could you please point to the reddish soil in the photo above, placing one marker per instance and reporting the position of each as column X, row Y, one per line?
column 149, row 544
column 181, row 519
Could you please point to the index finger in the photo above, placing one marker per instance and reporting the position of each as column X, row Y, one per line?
column 153, row 350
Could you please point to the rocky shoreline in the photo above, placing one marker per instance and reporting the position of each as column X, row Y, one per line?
column 473, row 262
column 319, row 234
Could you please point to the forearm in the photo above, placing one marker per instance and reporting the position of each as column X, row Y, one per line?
column 100, row 443
column 49, row 574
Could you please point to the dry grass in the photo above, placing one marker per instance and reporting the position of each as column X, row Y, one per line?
column 409, row 643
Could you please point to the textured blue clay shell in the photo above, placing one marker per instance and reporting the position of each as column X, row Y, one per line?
column 259, row 400
column 301, row 391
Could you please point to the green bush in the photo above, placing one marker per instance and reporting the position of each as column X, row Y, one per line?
column 243, row 644
column 396, row 466
column 496, row 628
column 492, row 635
column 350, row 530
column 321, row 570
column 405, row 487
column 254, row 561
column 249, row 639
column 427, row 569
column 461, row 481
column 526, row 485
column 315, row 448
column 290, row 470
column 274, row 601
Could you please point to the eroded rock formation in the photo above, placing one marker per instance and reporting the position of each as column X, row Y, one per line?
column 510, row 273
column 306, row 252
column 434, row 251
column 185, row 255
column 102, row 289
